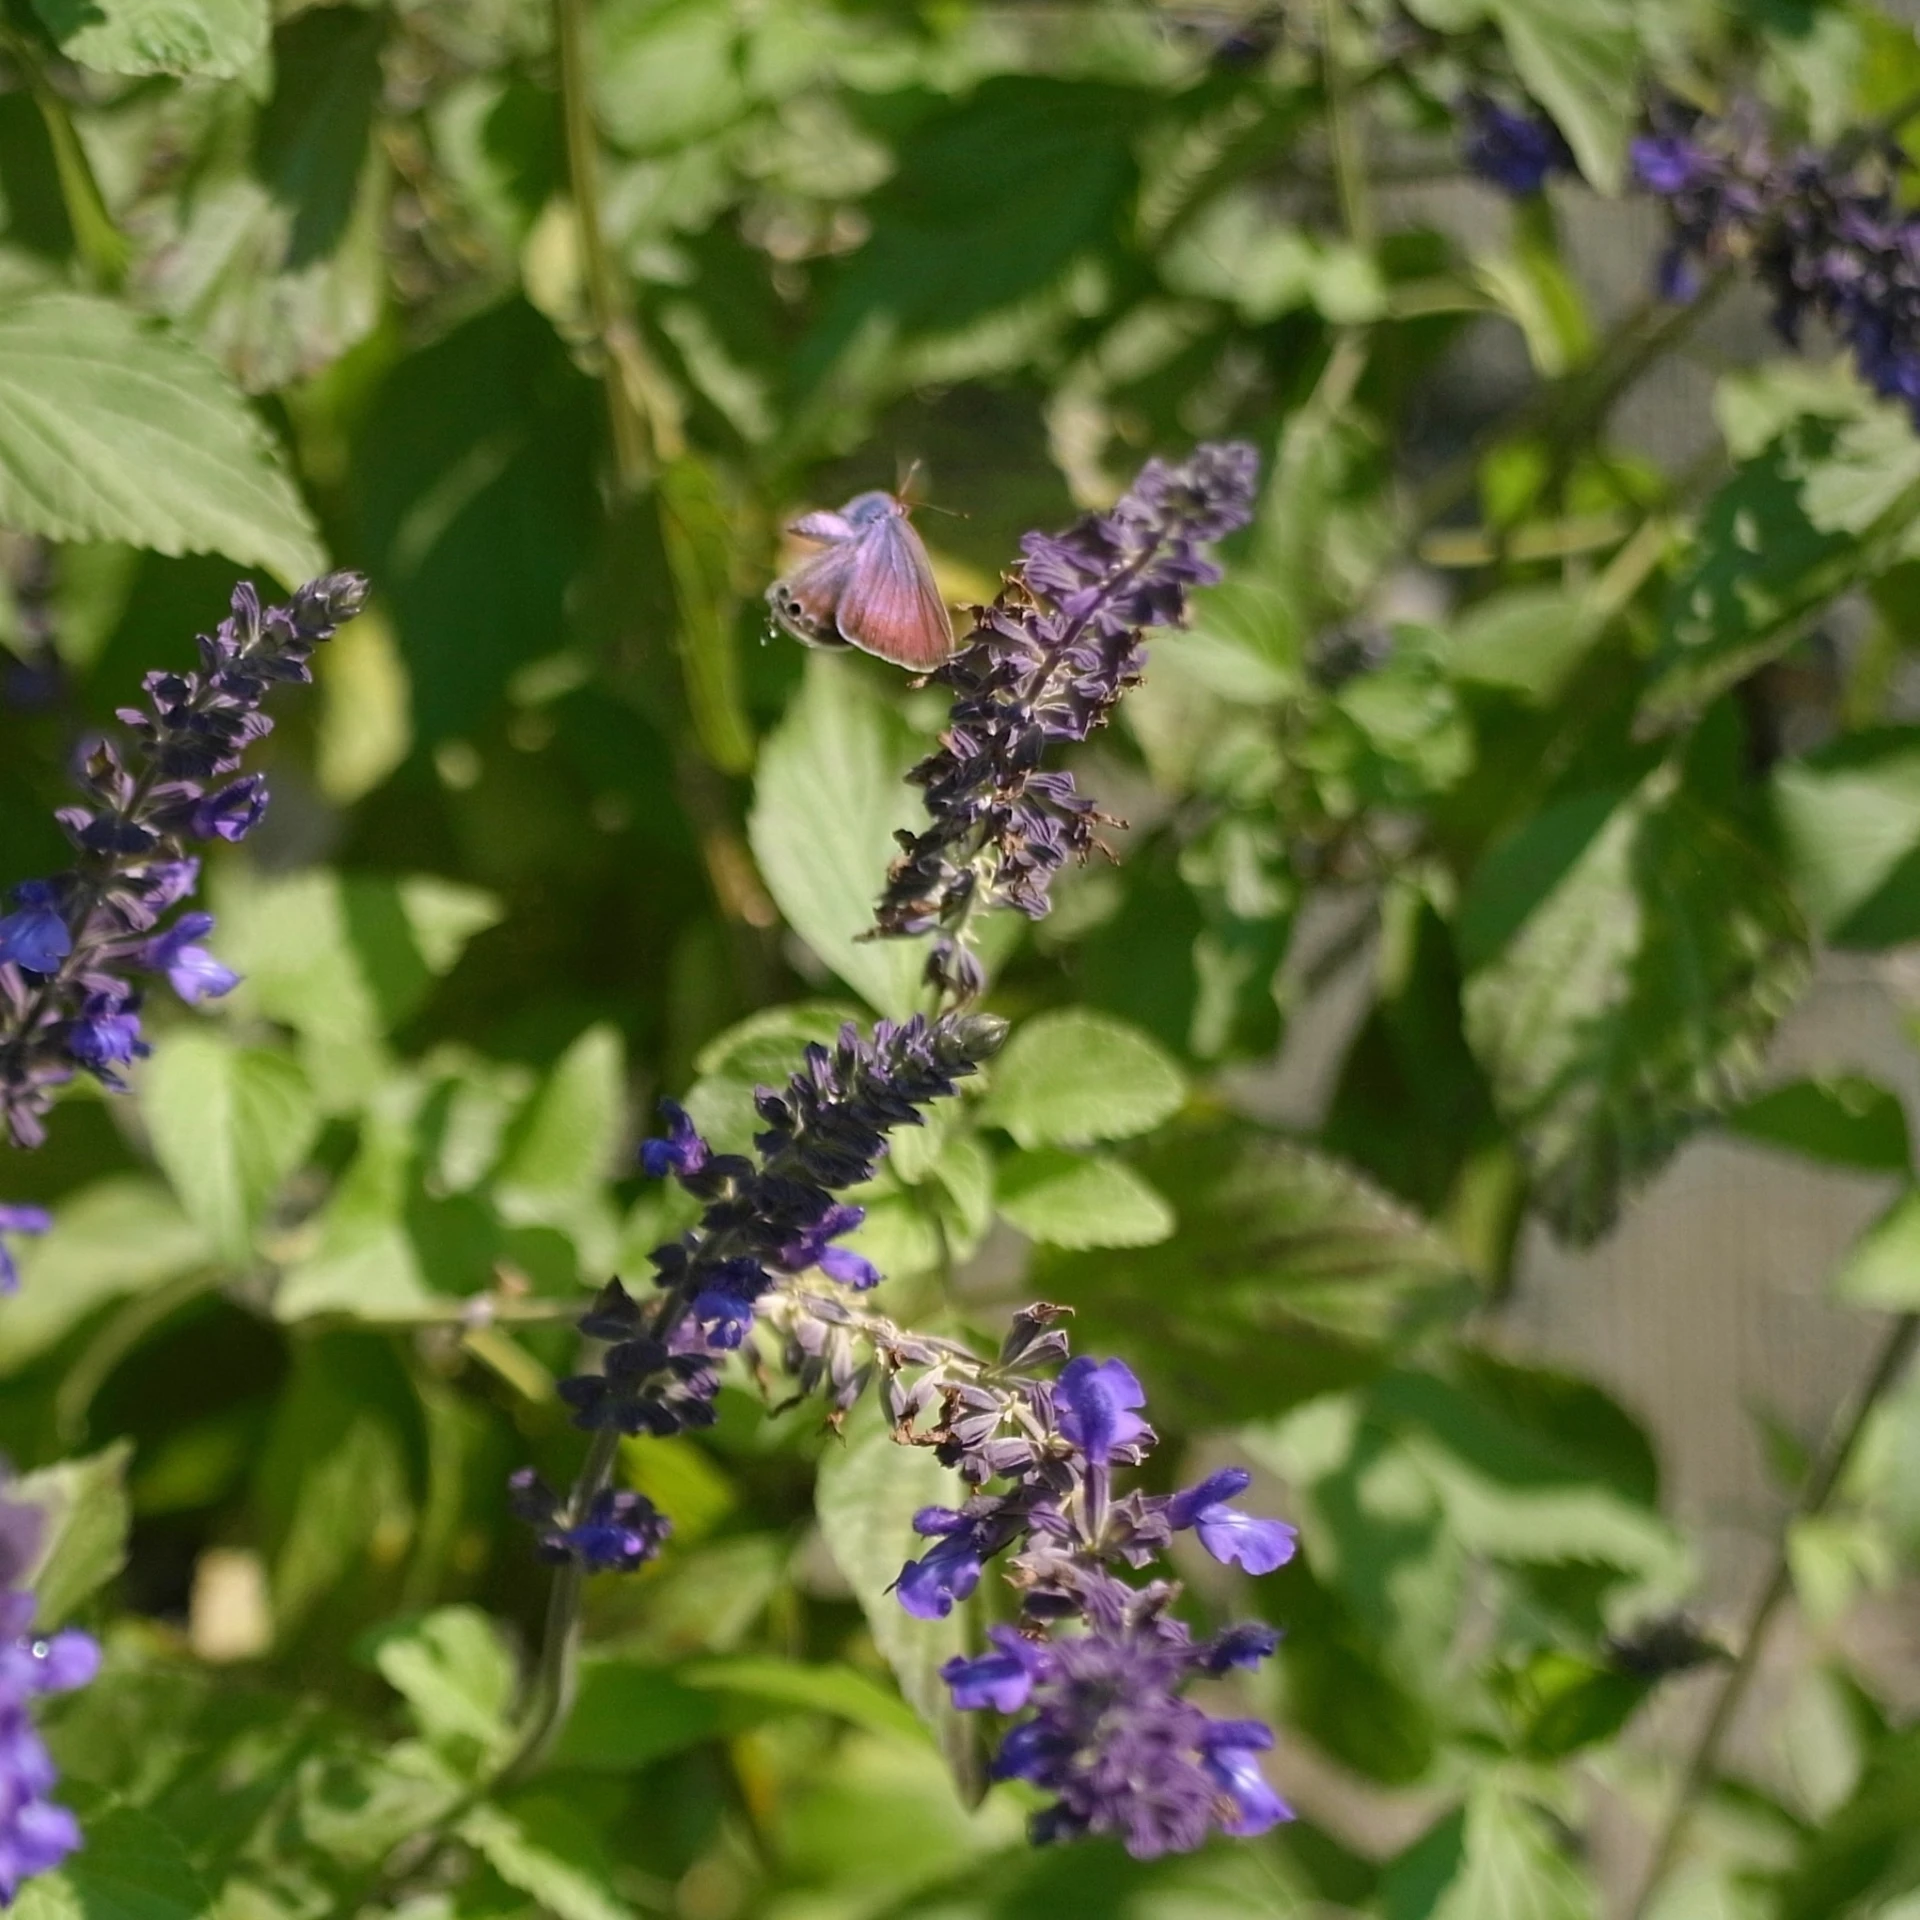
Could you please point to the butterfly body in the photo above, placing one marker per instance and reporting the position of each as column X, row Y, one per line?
column 870, row 586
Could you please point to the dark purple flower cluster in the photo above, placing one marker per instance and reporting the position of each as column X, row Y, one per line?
column 35, row 1833
column 616, row 1532
column 1046, row 663
column 73, row 945
column 1823, row 232
column 764, row 1218
column 1518, row 150
column 1108, row 1730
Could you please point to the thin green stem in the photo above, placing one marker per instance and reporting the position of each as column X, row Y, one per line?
column 102, row 246
column 1345, row 132
column 1889, row 1363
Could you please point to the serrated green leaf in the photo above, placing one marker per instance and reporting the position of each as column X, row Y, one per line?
column 568, row 1136
column 1069, row 1077
column 113, row 428
column 455, row 1674
column 1849, row 819
column 1499, row 1860
column 84, row 1504
column 128, row 1868
column 829, row 795
column 1528, row 641
column 631, row 1712
column 228, row 1124
column 1845, row 1121
column 1071, row 1200
column 1630, row 961
column 549, row 1850
column 842, row 1691
column 207, row 39
column 119, row 1236
column 867, row 1494
column 1882, row 1267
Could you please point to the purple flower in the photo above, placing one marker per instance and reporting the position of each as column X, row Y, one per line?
column 1001, row 1680
column 1516, row 151
column 617, row 1532
column 36, row 1835
column 79, row 935
column 31, row 1221
column 1229, row 1535
column 811, row 1248
column 930, row 1587
column 683, row 1151
column 1095, row 1401
column 1243, row 1645
column 34, row 938
column 1227, row 1753
column 232, row 813
column 192, row 972
column 1045, row 665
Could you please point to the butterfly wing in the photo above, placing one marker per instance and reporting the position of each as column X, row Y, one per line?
column 890, row 605
column 807, row 600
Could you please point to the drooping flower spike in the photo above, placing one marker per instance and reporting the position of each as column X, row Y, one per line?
column 75, row 946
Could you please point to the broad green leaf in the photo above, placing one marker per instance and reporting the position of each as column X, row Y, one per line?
column 1849, row 819
column 365, row 726
column 829, row 795
column 206, row 39
column 1499, row 1859
column 273, row 261
column 1882, row 1267
column 866, row 1496
column 1579, row 59
column 548, row 1849
column 121, row 1235
column 359, row 1801
column 129, row 1867
column 1528, row 641
column 1846, row 1121
column 1629, row 961
column 666, row 71
column 568, row 1137
column 631, row 1712
column 113, row 428
column 1074, row 1076
column 228, row 1125
column 696, row 531
column 1863, row 1853
column 1235, row 251
column 454, row 1673
column 84, row 1504
column 343, row 959
column 1073, row 1201
column 1564, row 1703
column 1290, row 1276
column 842, row 1691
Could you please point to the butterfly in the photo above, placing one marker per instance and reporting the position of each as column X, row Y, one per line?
column 871, row 586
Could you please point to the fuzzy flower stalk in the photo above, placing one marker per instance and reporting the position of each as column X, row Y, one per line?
column 78, row 946
column 1045, row 665
column 36, row 1833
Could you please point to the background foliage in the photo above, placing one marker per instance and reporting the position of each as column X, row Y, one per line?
column 1579, row 744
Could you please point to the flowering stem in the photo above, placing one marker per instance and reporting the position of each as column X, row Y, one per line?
column 1889, row 1363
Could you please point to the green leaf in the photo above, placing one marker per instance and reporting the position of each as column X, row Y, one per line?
column 207, row 39
column 119, row 1236
column 866, row 1497
column 1497, row 1860
column 1073, row 1076
column 1849, row 820
column 1882, row 1267
column 1528, row 641
column 1864, row 1852
column 128, row 1868
column 568, row 1137
column 829, row 795
column 763, row 1050
column 343, row 959
column 1069, row 1200
column 841, row 1691
column 1290, row 1276
column 696, row 531
column 666, row 71
column 228, row 1125
column 86, row 1519
column 1629, row 961
column 1846, row 1121
column 1579, row 59
column 631, row 1712
column 1565, row 1703
column 454, row 1672
column 547, row 1849
column 113, row 428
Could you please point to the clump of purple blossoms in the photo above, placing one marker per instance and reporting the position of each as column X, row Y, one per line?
column 75, row 945
column 1518, row 150
column 1822, row 232
column 36, row 1834
column 1107, row 1727
column 1047, row 663
column 765, row 1219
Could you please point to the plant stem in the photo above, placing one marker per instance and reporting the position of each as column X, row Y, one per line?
column 1889, row 1362
column 1345, row 132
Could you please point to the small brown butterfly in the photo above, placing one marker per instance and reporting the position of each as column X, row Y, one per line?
column 871, row 586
